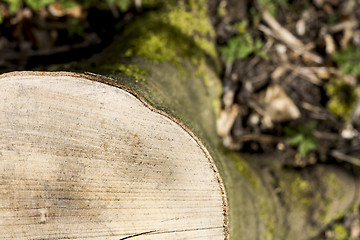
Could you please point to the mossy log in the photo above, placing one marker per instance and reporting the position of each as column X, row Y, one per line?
column 76, row 158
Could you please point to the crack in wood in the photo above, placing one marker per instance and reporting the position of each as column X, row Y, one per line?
column 162, row 232
column 137, row 234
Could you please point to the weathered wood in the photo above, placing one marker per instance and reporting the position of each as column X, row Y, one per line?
column 81, row 158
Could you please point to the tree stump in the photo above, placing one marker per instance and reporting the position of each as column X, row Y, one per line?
column 82, row 157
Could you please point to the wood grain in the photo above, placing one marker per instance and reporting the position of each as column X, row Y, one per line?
column 80, row 159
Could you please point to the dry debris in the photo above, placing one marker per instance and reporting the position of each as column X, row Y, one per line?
column 307, row 74
column 30, row 38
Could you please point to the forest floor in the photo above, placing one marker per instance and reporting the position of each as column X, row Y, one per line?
column 291, row 79
column 291, row 84
column 291, row 71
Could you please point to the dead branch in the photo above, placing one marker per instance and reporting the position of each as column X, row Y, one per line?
column 288, row 38
column 346, row 158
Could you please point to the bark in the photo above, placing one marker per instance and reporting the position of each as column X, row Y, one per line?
column 168, row 66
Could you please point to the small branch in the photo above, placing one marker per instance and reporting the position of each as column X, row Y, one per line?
column 287, row 37
column 349, row 24
column 306, row 72
column 346, row 158
column 326, row 135
column 260, row 138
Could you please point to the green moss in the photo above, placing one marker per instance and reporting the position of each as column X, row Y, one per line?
column 263, row 202
column 340, row 232
column 342, row 98
column 171, row 34
column 245, row 170
column 130, row 70
column 267, row 214
column 202, row 73
column 240, row 27
column 300, row 190
column 332, row 192
column 216, row 104
column 221, row 10
column 333, row 183
column 296, row 189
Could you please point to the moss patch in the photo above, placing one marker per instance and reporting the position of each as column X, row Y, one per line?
column 267, row 215
column 342, row 96
column 333, row 191
column 301, row 190
column 130, row 70
column 245, row 170
column 296, row 189
column 173, row 33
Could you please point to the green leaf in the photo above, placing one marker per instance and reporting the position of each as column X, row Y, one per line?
column 68, row 3
column 242, row 46
column 14, row 5
column 36, row 4
column 296, row 139
column 75, row 27
column 303, row 137
column 123, row 4
column 348, row 60
column 306, row 146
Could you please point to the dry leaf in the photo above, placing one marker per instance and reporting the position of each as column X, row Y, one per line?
column 278, row 106
column 57, row 10
column 226, row 120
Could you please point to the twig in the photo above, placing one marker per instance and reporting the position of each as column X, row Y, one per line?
column 113, row 9
column 287, row 37
column 326, row 135
column 349, row 24
column 316, row 112
column 311, row 107
column 346, row 158
column 308, row 73
column 260, row 138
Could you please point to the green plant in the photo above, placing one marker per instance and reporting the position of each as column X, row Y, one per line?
column 1, row 16
column 241, row 26
column 348, row 60
column 303, row 137
column 34, row 4
column 67, row 3
column 242, row 46
column 342, row 98
column 272, row 5
column 76, row 28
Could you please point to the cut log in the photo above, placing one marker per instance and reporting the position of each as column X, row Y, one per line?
column 84, row 158
column 67, row 172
